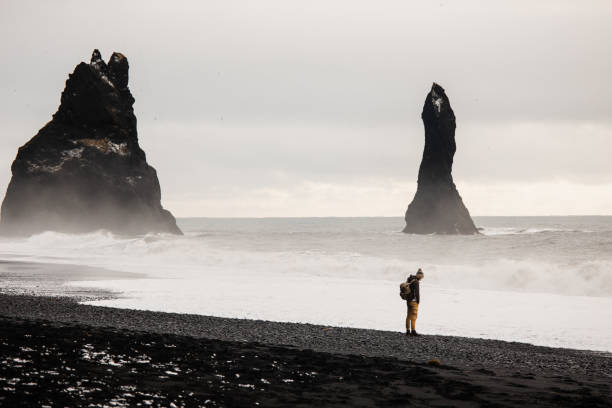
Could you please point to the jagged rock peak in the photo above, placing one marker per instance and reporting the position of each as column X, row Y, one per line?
column 98, row 64
column 96, row 58
column 85, row 170
column 115, row 73
column 438, row 99
column 118, row 68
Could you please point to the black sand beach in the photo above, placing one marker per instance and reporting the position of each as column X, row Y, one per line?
column 58, row 353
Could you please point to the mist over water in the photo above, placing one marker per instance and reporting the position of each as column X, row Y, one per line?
column 344, row 271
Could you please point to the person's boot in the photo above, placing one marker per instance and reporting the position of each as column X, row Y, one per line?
column 414, row 333
column 408, row 333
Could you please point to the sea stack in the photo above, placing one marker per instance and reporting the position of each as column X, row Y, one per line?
column 84, row 170
column 437, row 207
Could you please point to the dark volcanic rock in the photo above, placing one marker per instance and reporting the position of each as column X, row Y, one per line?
column 84, row 170
column 437, row 206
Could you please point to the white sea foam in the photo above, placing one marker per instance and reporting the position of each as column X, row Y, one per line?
column 195, row 255
column 521, row 286
column 517, row 231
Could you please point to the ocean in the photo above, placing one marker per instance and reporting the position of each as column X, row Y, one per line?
column 541, row 280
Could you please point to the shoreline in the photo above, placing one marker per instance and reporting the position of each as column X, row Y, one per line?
column 44, row 279
column 219, row 272
column 55, row 351
column 465, row 351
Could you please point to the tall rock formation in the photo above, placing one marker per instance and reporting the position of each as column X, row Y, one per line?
column 84, row 170
column 437, row 206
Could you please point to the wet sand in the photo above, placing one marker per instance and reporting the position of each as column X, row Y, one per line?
column 49, row 279
column 57, row 352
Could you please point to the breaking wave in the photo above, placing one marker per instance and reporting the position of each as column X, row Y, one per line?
column 503, row 267
column 519, row 231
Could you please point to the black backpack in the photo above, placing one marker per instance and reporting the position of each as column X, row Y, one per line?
column 405, row 289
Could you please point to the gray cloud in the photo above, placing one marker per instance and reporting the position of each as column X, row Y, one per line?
column 272, row 94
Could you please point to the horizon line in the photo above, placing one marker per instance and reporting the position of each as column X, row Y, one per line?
column 387, row 216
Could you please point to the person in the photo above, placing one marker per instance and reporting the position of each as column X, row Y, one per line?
column 413, row 303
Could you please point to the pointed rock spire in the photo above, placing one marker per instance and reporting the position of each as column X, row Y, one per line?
column 97, row 62
column 118, row 68
column 437, row 206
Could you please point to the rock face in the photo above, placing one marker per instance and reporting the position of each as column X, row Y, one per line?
column 437, row 206
column 84, row 170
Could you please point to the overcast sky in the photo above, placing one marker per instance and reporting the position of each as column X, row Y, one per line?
column 312, row 108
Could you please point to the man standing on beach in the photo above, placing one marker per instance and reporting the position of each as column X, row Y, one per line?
column 413, row 302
